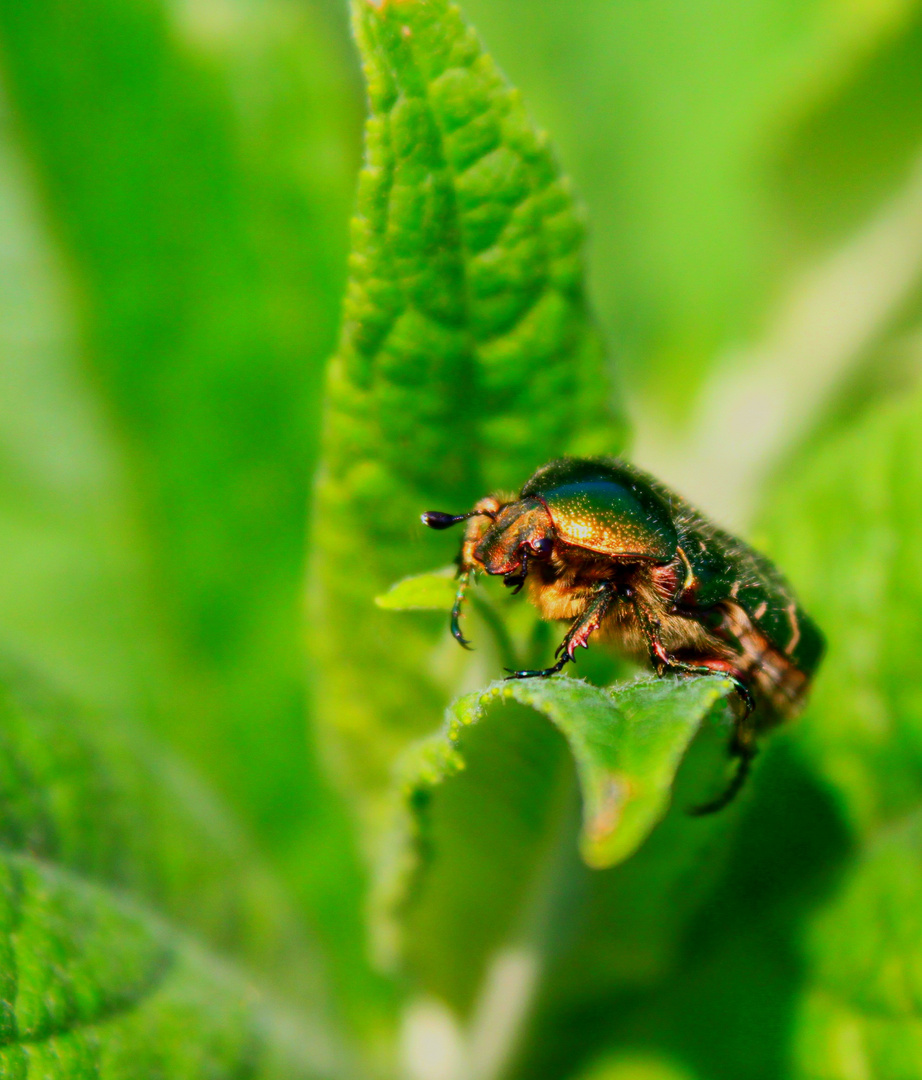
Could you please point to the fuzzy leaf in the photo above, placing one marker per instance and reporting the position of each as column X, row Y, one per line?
column 626, row 743
column 96, row 989
column 467, row 357
column 486, row 823
column 111, row 858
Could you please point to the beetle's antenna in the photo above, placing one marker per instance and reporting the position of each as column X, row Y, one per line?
column 435, row 519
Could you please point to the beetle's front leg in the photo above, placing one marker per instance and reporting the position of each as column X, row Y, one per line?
column 464, row 577
column 579, row 633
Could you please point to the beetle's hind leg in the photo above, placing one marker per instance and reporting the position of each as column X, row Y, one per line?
column 743, row 748
column 663, row 661
column 742, row 743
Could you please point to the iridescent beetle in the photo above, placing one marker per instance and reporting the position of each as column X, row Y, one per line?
column 602, row 544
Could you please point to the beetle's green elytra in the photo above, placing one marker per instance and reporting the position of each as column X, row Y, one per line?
column 603, row 545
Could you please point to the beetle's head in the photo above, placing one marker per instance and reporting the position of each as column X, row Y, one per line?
column 521, row 530
column 500, row 537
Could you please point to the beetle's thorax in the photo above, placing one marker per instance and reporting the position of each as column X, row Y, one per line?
column 498, row 546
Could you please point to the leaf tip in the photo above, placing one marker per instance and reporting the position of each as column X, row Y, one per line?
column 615, row 789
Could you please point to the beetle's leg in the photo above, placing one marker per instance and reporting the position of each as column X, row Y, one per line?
column 464, row 576
column 743, row 748
column 436, row 519
column 663, row 661
column 579, row 633
column 742, row 745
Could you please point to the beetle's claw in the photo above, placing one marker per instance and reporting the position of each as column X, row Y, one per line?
column 539, row 673
column 745, row 695
column 456, row 630
column 460, row 638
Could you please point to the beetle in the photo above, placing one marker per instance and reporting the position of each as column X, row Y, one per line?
column 605, row 546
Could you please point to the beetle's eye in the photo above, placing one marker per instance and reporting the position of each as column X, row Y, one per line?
column 543, row 546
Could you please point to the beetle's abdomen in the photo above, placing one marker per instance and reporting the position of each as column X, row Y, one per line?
column 773, row 674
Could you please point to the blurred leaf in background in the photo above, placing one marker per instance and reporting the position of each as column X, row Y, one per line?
column 669, row 115
column 862, row 951
column 175, row 184
column 113, row 861
column 174, row 189
column 190, row 166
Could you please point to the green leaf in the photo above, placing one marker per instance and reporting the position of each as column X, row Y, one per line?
column 467, row 359
column 636, row 1066
column 484, row 838
column 173, row 182
column 424, row 592
column 863, row 1000
column 871, row 99
column 188, row 267
column 96, row 988
column 856, row 551
column 626, row 743
column 670, row 117
column 101, row 839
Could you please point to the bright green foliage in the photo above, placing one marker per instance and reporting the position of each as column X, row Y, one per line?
column 465, row 331
column 171, row 146
column 862, row 947
column 485, row 837
column 99, row 832
column 424, row 592
column 636, row 1066
column 174, row 185
column 102, row 990
column 826, row 188
column 690, row 128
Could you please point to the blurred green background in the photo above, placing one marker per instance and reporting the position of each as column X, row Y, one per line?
column 176, row 181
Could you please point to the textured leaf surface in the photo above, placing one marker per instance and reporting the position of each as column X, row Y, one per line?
column 97, row 832
column 485, row 840
column 96, row 989
column 467, row 357
column 670, row 116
